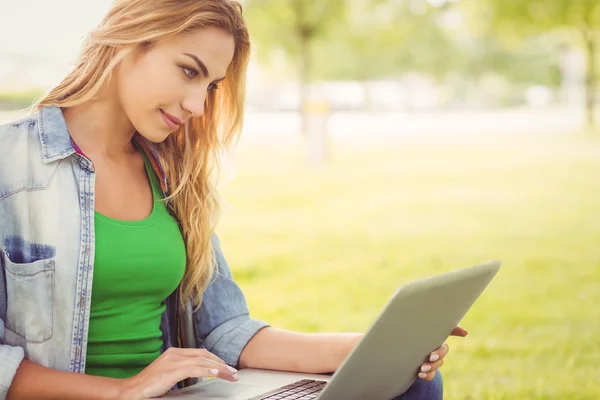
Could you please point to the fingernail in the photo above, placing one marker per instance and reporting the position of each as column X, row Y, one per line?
column 215, row 372
column 231, row 369
column 422, row 375
column 426, row 368
column 434, row 357
column 235, row 376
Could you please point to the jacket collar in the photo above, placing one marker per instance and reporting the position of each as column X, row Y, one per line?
column 54, row 135
column 57, row 143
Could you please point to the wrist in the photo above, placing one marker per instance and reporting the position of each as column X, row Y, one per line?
column 352, row 340
column 124, row 389
column 346, row 345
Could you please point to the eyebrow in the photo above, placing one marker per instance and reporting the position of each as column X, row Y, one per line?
column 201, row 66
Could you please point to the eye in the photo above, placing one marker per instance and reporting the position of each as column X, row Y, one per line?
column 190, row 73
column 213, row 86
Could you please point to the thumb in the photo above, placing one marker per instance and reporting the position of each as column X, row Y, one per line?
column 458, row 331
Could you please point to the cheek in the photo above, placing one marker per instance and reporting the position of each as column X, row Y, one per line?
column 143, row 88
column 148, row 85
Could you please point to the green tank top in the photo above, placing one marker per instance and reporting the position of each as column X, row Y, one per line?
column 137, row 265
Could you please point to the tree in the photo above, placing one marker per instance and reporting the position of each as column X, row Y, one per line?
column 382, row 38
column 359, row 40
column 581, row 18
column 294, row 26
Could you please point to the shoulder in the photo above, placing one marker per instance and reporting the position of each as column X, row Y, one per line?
column 20, row 154
column 18, row 136
column 18, row 130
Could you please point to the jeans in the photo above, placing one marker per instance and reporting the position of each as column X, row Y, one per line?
column 425, row 390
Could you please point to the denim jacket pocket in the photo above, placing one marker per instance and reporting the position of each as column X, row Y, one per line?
column 30, row 298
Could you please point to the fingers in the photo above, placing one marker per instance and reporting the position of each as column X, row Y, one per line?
column 215, row 368
column 459, row 331
column 427, row 376
column 436, row 360
column 201, row 353
column 201, row 372
column 184, row 360
column 428, row 370
column 175, row 365
column 440, row 353
column 208, row 368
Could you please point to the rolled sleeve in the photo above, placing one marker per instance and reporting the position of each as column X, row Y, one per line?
column 223, row 324
column 229, row 339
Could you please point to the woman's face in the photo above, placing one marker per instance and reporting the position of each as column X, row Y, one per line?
column 162, row 87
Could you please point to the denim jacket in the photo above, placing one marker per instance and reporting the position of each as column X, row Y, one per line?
column 47, row 259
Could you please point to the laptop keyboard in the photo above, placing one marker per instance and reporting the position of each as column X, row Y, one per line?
column 306, row 389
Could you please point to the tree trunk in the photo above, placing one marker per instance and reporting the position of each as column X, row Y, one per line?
column 312, row 122
column 590, row 80
column 313, row 116
column 368, row 90
column 305, row 65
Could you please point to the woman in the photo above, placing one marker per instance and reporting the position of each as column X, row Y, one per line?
column 108, row 207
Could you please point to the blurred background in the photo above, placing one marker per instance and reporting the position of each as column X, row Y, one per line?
column 387, row 140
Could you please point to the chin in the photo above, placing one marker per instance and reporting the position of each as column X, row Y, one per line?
column 155, row 137
column 154, row 133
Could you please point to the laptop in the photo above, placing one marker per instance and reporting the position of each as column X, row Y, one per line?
column 418, row 318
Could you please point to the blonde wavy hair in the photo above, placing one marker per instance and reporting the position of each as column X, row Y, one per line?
column 189, row 157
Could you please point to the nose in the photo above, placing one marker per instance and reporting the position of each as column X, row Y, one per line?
column 194, row 102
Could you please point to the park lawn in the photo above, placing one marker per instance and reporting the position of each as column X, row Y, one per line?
column 322, row 249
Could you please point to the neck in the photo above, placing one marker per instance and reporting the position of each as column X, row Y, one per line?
column 100, row 127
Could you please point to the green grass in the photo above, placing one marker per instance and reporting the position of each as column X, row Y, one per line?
column 19, row 100
column 322, row 249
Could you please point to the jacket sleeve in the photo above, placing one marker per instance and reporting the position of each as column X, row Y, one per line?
column 223, row 325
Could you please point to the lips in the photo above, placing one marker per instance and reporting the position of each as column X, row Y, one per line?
column 172, row 121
